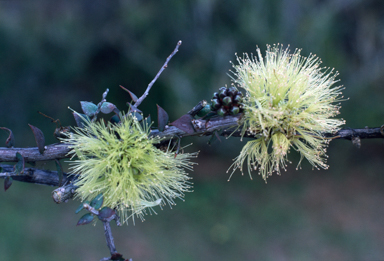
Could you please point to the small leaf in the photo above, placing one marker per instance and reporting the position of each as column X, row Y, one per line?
column 105, row 213
column 118, row 257
column 162, row 118
column 39, row 137
column 10, row 140
column 59, row 171
column 80, row 208
column 107, row 107
column 97, row 202
column 213, row 138
column 133, row 96
column 115, row 119
column 184, row 123
column 7, row 183
column 80, row 119
column 146, row 122
column 204, row 111
column 19, row 166
column 138, row 115
column 89, row 108
column 86, row 219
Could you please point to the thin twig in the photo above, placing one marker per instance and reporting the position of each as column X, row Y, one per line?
column 140, row 100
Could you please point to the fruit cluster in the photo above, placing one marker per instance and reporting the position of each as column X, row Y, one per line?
column 228, row 101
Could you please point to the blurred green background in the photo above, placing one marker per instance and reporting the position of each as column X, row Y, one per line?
column 54, row 54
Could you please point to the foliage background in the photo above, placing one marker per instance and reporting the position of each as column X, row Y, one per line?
column 54, row 54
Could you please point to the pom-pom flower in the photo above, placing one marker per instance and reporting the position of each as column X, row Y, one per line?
column 121, row 162
column 289, row 103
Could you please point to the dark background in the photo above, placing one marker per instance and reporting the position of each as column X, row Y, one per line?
column 54, row 54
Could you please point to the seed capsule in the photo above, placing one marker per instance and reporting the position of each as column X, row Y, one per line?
column 215, row 104
column 232, row 91
column 227, row 101
column 221, row 111
column 235, row 110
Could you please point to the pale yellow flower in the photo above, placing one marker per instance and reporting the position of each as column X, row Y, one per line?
column 290, row 101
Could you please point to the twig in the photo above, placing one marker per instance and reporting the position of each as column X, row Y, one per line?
column 107, row 229
column 64, row 193
column 195, row 110
column 140, row 100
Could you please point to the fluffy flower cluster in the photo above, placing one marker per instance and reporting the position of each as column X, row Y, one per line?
column 289, row 103
column 121, row 162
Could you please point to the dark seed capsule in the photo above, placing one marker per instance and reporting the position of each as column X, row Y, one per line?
column 232, row 91
column 222, row 93
column 222, row 89
column 215, row 104
column 235, row 110
column 215, row 95
column 238, row 99
column 221, row 111
column 227, row 101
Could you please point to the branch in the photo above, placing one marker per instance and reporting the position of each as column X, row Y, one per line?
column 36, row 176
column 165, row 65
column 227, row 125
column 53, row 151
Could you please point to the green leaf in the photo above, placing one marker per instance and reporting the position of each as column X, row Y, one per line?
column 80, row 119
column 39, row 138
column 97, row 202
column 138, row 115
column 86, row 219
column 80, row 208
column 19, row 166
column 105, row 213
column 146, row 122
column 115, row 119
column 184, row 123
column 89, row 108
column 162, row 118
column 9, row 142
column 204, row 111
column 59, row 171
column 107, row 107
column 7, row 183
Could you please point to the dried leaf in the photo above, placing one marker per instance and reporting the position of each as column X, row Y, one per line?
column 89, row 108
column 39, row 137
column 19, row 166
column 162, row 118
column 133, row 96
column 7, row 183
column 59, row 171
column 105, row 213
column 184, row 123
column 86, row 219
column 107, row 107
column 97, row 202
column 9, row 142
